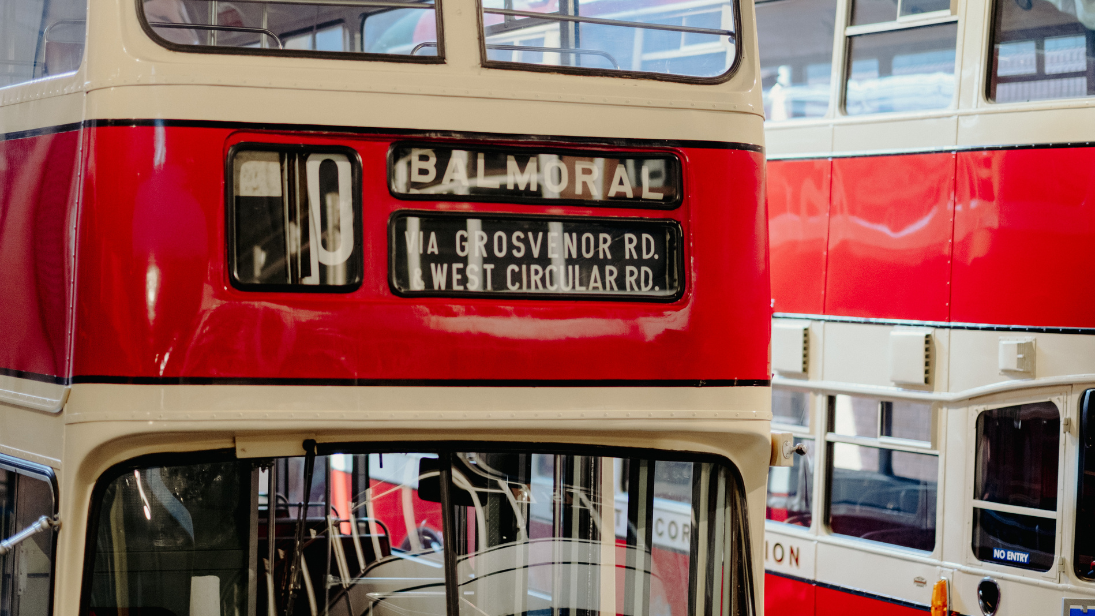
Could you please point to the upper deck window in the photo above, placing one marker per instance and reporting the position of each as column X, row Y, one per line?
column 675, row 39
column 397, row 29
column 901, row 56
column 1042, row 50
column 796, row 56
column 40, row 39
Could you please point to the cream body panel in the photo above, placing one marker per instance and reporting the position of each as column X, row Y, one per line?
column 456, row 95
column 894, row 133
column 859, row 353
column 20, row 110
column 1057, row 355
column 1065, row 121
column 892, row 573
column 798, row 139
column 108, row 424
column 789, row 552
column 35, row 436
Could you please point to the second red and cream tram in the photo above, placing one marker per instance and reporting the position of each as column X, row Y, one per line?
column 931, row 210
column 374, row 307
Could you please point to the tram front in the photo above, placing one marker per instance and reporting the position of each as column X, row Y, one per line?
column 393, row 307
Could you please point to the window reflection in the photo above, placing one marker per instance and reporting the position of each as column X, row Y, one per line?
column 796, row 52
column 1043, row 49
column 901, row 70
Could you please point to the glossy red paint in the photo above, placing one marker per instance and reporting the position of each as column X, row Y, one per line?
column 786, row 596
column 153, row 298
column 833, row 602
column 1023, row 227
column 798, row 219
column 889, row 237
column 38, row 192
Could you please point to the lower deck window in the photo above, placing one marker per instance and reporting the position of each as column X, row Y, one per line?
column 883, row 473
column 26, row 587
column 1015, row 485
column 350, row 531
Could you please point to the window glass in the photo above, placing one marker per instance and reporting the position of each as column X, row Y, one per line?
column 40, row 38
column 901, row 70
column 1017, row 449
column 1016, row 465
column 911, row 421
column 790, row 488
column 873, row 11
column 296, row 220
column 790, row 407
column 676, row 37
column 884, row 495
column 1084, row 559
column 288, row 26
column 363, row 533
column 28, row 569
column 1043, row 49
column 855, row 416
column 917, row 7
column 796, row 54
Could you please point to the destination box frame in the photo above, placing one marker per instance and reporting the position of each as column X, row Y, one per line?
column 672, row 224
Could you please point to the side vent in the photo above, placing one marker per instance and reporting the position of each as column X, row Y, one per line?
column 791, row 348
column 1016, row 357
column 910, row 356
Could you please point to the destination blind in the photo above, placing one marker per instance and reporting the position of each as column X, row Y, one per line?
column 462, row 255
column 535, row 176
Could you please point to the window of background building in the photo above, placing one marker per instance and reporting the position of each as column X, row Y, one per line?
column 796, row 56
column 1016, row 469
column 790, row 489
column 1042, row 49
column 901, row 56
column 40, row 38
column 27, row 570
column 883, row 472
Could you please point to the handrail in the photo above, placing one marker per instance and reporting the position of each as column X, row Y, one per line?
column 591, row 52
column 163, row 24
column 608, row 22
column 42, row 524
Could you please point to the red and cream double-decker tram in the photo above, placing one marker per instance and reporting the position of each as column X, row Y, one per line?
column 930, row 209
column 382, row 307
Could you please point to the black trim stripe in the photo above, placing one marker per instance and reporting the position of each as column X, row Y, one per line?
column 140, row 380
column 35, row 376
column 945, row 150
column 1035, row 329
column 857, row 592
column 396, row 132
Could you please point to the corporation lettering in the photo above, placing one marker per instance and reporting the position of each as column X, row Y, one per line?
column 532, row 175
column 782, row 555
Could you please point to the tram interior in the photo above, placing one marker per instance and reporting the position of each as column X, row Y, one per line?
column 531, row 532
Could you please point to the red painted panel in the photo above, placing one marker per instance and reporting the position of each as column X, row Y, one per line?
column 1023, row 227
column 889, row 237
column 832, row 602
column 154, row 299
column 37, row 202
column 798, row 227
column 787, row 597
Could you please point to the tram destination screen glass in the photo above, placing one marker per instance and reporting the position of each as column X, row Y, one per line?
column 675, row 39
column 346, row 531
column 393, row 29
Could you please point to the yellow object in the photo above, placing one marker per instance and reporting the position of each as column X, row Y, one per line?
column 940, row 599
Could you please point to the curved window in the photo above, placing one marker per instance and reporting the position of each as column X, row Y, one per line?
column 40, row 38
column 346, row 531
column 390, row 29
column 674, row 38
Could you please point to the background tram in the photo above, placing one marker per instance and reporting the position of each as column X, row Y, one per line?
column 930, row 208
column 382, row 307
